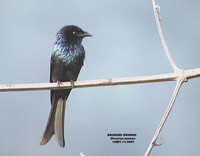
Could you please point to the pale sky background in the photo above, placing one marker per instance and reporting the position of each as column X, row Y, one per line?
column 125, row 43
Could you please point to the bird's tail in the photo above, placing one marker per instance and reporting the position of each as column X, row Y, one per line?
column 55, row 123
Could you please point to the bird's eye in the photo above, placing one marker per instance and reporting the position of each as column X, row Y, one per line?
column 73, row 32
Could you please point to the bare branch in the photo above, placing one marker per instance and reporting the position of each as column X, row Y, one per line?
column 81, row 154
column 153, row 142
column 158, row 18
column 180, row 80
column 104, row 82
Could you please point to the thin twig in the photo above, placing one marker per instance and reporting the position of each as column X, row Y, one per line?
column 104, row 82
column 153, row 142
column 180, row 81
column 157, row 15
column 81, row 154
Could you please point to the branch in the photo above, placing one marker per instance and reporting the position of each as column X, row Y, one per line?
column 81, row 154
column 179, row 82
column 168, row 110
column 158, row 18
column 104, row 82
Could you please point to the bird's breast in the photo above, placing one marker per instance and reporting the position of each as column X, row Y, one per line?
column 69, row 54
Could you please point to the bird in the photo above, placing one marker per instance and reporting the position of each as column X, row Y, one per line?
column 66, row 62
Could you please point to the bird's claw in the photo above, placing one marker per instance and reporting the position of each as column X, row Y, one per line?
column 72, row 83
column 59, row 83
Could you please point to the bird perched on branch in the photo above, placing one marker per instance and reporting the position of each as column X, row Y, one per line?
column 66, row 62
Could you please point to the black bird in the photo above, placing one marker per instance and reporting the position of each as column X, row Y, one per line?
column 66, row 62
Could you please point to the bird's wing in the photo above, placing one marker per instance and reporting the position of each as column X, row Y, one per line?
column 51, row 66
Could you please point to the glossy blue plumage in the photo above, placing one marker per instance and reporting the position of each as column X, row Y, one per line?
column 66, row 62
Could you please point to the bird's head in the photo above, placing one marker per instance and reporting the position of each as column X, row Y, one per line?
column 73, row 33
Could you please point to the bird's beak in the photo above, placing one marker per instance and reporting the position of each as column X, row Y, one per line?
column 85, row 34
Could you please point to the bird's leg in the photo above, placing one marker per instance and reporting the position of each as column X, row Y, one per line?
column 59, row 83
column 72, row 83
